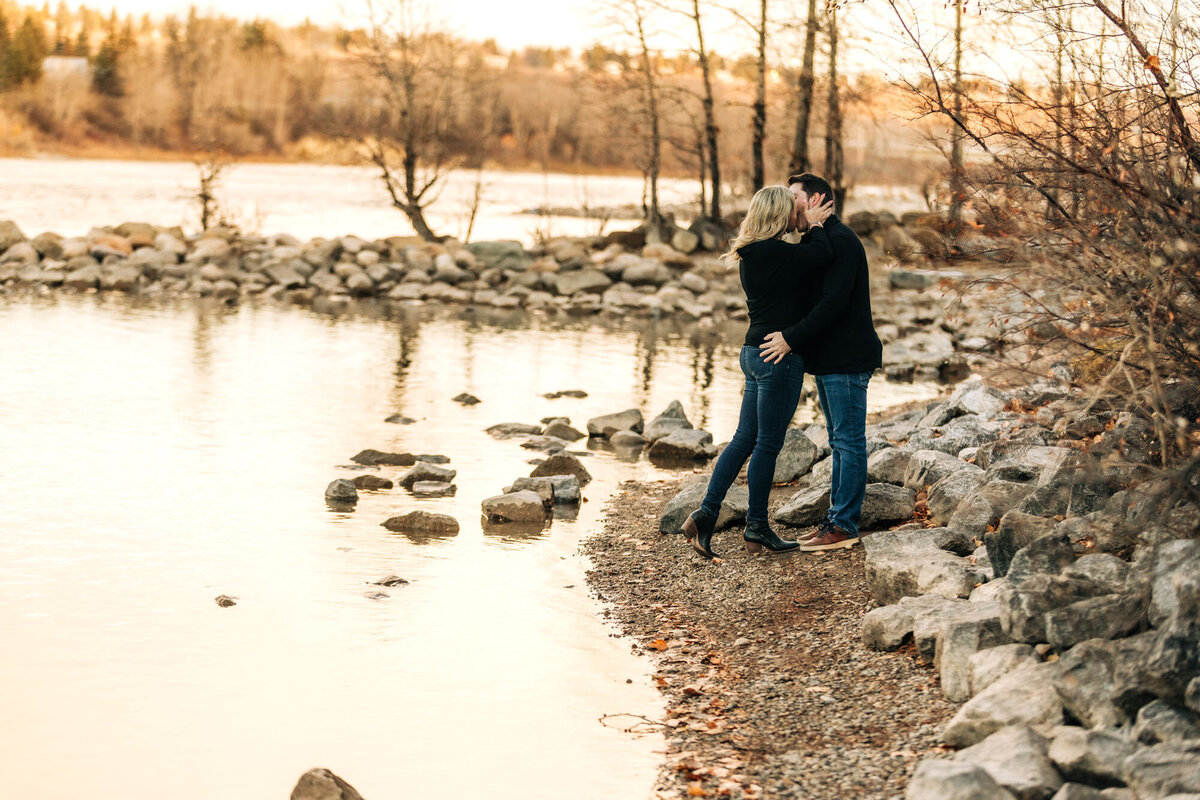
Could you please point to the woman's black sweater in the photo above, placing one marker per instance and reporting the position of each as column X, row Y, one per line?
column 775, row 275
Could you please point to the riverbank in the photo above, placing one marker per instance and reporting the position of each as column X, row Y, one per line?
column 1025, row 594
column 936, row 324
column 769, row 691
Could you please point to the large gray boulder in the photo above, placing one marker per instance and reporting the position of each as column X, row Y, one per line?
column 911, row 563
column 424, row 522
column 584, row 280
column 341, row 490
column 1023, row 696
column 670, row 420
column 1025, row 605
column 1016, row 530
column 422, row 471
column 888, row 627
column 1090, row 756
column 1099, row 682
column 806, row 507
column 796, row 458
column 322, row 784
column 1015, row 756
column 947, row 495
column 971, row 397
column 505, row 255
column 1104, row 617
column 562, row 464
column 1164, row 770
column 733, row 508
column 522, row 506
column 684, row 445
column 888, row 465
column 939, row 779
column 927, row 467
column 957, row 435
column 885, row 504
column 630, row 420
column 1162, row 722
column 10, row 234
column 987, row 666
column 962, row 634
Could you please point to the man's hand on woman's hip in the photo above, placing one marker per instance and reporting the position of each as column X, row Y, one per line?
column 775, row 348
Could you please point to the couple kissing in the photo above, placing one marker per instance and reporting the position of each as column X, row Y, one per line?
column 810, row 311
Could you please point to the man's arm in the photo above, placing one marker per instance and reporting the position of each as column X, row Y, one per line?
column 815, row 252
column 835, row 294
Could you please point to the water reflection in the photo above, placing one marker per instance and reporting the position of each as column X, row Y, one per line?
column 201, row 440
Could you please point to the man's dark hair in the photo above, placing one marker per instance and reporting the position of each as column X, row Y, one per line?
column 812, row 184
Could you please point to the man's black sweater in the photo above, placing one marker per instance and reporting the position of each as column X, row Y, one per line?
column 836, row 332
column 773, row 274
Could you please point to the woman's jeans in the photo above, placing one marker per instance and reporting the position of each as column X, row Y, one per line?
column 844, row 400
column 772, row 393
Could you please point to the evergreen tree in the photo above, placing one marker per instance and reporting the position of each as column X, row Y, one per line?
column 106, row 75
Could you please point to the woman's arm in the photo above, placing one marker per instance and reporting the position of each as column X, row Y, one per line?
column 813, row 253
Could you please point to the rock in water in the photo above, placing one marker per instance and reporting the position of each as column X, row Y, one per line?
column 374, row 458
column 372, row 482
column 225, row 601
column 466, row 399
column 523, row 506
column 630, row 420
column 670, row 420
column 562, row 464
column 423, row 472
column 322, row 784
column 341, row 491
column 422, row 522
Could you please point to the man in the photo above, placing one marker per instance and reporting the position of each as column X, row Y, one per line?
column 836, row 337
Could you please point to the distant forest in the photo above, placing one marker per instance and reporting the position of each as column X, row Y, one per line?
column 79, row 81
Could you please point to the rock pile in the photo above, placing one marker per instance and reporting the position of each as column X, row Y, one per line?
column 927, row 333
column 1055, row 596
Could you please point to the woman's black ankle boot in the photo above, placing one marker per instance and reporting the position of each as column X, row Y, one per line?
column 698, row 528
column 760, row 535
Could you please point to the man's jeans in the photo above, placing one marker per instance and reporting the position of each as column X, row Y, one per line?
column 844, row 399
column 772, row 392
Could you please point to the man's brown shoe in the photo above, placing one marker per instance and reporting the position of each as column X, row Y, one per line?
column 820, row 530
column 832, row 538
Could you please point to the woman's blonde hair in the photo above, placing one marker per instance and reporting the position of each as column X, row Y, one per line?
column 768, row 217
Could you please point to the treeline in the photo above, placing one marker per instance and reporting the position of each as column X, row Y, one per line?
column 255, row 89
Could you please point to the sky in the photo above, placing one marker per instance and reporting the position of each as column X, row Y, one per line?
column 513, row 23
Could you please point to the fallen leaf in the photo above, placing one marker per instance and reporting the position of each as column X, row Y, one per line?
column 658, row 644
column 696, row 790
column 692, row 691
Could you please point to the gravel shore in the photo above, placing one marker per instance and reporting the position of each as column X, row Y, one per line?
column 770, row 692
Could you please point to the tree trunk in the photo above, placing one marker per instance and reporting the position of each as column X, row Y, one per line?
column 801, row 161
column 710, row 123
column 834, row 154
column 654, row 165
column 760, row 101
column 956, row 140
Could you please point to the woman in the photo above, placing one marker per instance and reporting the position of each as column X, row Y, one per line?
column 770, row 269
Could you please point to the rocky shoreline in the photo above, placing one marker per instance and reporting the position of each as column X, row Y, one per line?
column 1026, row 626
column 929, row 331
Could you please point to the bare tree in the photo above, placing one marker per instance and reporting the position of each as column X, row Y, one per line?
column 415, row 68
column 633, row 19
column 957, row 190
column 835, row 157
column 710, row 148
column 800, row 161
column 1112, row 285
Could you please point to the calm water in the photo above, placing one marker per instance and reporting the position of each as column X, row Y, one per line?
column 307, row 200
column 155, row 457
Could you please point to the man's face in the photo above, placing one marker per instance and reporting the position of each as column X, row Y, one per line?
column 801, row 202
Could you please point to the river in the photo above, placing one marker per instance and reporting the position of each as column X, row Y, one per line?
column 158, row 455
column 70, row 196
